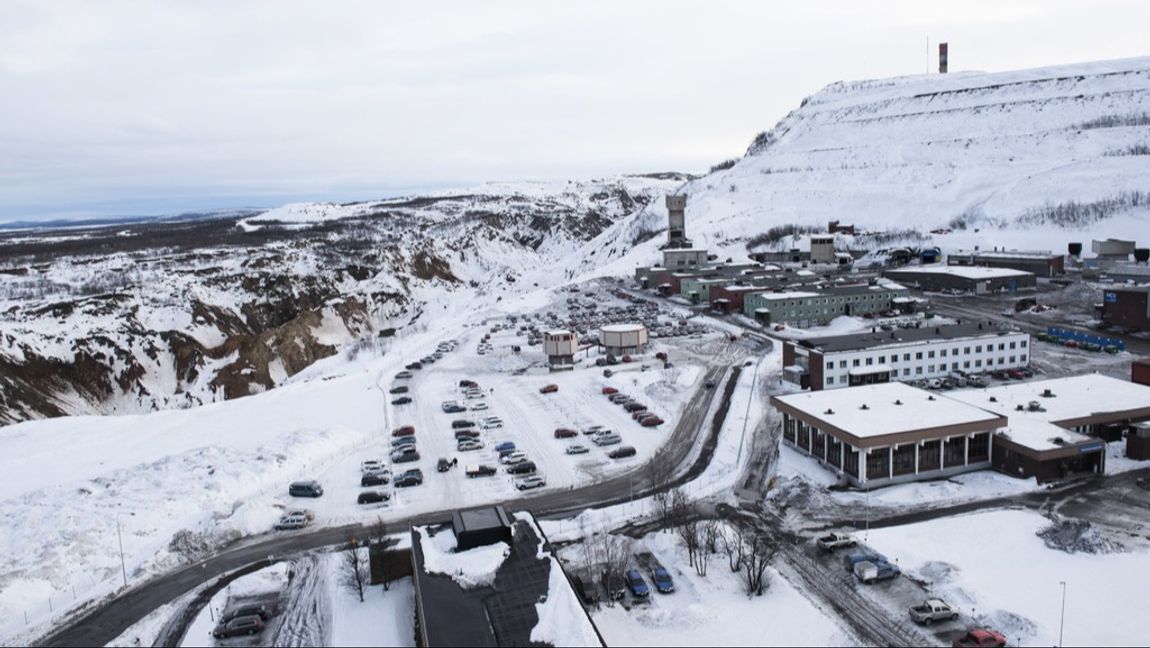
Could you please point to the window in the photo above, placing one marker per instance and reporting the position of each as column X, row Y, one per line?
column 842, row 364
column 906, row 372
column 978, row 349
column 918, row 356
column 1013, row 359
column 966, row 350
column 930, row 354
column 869, row 361
column 1001, row 346
column 990, row 362
column 918, row 371
column 942, row 354
column 978, row 363
column 855, row 362
column 831, row 364
column 954, row 366
column 1012, row 344
column 1022, row 344
column 882, row 359
column 830, row 380
column 1022, row 358
column 966, row 364
column 906, row 357
column 930, row 369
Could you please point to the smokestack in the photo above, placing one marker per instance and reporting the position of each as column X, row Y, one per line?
column 942, row 58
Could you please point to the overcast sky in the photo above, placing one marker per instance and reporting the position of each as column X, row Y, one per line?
column 111, row 108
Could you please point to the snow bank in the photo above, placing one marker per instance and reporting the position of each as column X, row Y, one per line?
column 472, row 568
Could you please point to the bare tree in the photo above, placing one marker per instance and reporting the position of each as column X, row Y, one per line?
column 353, row 568
column 758, row 552
column 702, row 556
column 690, row 535
column 732, row 543
column 659, row 475
column 711, row 536
column 380, row 540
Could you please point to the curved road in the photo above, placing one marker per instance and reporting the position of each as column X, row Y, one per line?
column 110, row 618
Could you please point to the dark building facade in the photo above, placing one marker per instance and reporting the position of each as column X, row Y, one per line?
column 1128, row 307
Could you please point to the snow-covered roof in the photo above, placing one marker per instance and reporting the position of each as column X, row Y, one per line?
column 1073, row 398
column 890, row 408
column 622, row 328
column 966, row 272
column 862, row 371
column 787, row 295
column 1007, row 254
column 556, row 333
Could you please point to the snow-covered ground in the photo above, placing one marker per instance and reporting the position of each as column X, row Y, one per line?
column 715, row 610
column 269, row 582
column 1010, row 579
column 384, row 618
column 221, row 471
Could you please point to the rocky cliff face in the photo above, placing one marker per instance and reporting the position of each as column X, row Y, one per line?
column 141, row 317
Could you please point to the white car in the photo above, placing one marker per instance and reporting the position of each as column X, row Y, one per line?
column 606, row 439
column 595, row 429
column 467, row 445
column 372, row 466
column 491, row 425
column 295, row 521
column 513, row 458
column 577, row 448
column 530, row 481
column 480, row 406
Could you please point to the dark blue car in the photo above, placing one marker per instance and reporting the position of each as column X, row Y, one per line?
column 506, row 445
column 636, row 584
column 663, row 582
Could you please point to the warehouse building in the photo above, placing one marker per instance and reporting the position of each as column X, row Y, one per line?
column 964, row 278
column 1127, row 307
column 810, row 308
column 684, row 259
column 623, row 339
column 903, row 354
column 1140, row 371
column 876, row 435
column 1042, row 263
column 888, row 433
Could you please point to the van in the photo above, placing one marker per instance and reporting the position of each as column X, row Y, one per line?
column 606, row 439
column 310, row 488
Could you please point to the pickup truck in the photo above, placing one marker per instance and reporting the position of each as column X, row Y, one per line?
column 871, row 572
column 480, row 470
column 834, row 541
column 979, row 638
column 932, row 610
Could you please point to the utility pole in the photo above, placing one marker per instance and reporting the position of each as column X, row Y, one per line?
column 1062, row 616
column 120, row 538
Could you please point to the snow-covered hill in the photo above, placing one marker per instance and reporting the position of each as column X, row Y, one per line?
column 996, row 152
column 157, row 316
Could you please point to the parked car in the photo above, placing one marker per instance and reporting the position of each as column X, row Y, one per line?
column 932, row 610
column 398, row 389
column 467, row 434
column 833, row 541
column 403, row 375
column 404, row 455
column 512, row 456
column 587, row 591
column 413, row 366
column 577, row 449
column 492, row 424
column 479, row 470
column 373, row 479
column 607, row 373
column 613, row 583
column 529, row 482
column 651, row 421
column 371, row 465
column 606, row 439
column 609, row 390
column 403, row 441
column 662, row 579
column 549, row 389
column 461, row 423
column 372, row 497
column 253, row 609
column 595, row 429
column 406, row 430
column 858, row 556
column 292, row 521
column 506, row 445
column 413, row 477
column 402, row 400
column 443, row 464
column 479, row 407
column 619, row 398
column 622, row 452
column 245, row 625
column 636, row 584
column 469, row 445
column 305, row 489
column 452, row 407
column 979, row 638
column 468, row 383
column 522, row 468
column 871, row 572
column 565, row 433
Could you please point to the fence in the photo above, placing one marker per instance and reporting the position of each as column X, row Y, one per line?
column 1067, row 335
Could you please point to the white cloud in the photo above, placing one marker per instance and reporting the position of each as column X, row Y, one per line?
column 196, row 101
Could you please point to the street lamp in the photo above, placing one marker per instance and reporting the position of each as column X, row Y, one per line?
column 1062, row 616
column 120, row 540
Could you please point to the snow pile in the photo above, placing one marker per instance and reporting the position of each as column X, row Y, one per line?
column 1074, row 536
column 472, row 568
column 562, row 621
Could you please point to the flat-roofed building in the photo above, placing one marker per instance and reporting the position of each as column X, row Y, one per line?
column 888, row 433
column 1042, row 263
column 805, row 308
column 977, row 280
column 923, row 353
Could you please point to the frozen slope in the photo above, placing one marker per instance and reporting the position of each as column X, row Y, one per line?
column 984, row 150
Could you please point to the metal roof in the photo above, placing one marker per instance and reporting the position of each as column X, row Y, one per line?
column 879, row 338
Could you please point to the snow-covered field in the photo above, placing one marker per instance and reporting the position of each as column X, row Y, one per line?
column 715, row 611
column 221, row 471
column 1010, row 579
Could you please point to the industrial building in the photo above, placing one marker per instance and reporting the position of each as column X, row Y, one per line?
column 811, row 308
column 1140, row 371
column 677, row 222
column 903, row 354
column 1126, row 306
column 1113, row 249
column 1060, row 426
column 876, row 435
column 623, row 339
column 969, row 279
column 887, row 433
column 560, row 347
column 822, row 248
column 1040, row 263
column 452, row 610
column 684, row 258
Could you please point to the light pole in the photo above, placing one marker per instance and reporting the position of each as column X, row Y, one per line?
column 1062, row 616
column 120, row 539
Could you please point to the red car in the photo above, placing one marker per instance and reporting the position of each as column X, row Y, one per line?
column 661, row 356
column 980, row 638
column 565, row 433
column 610, row 390
column 651, row 421
column 549, row 389
column 407, row 430
column 627, row 358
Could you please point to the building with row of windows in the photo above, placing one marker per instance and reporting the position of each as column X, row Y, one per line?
column 804, row 308
column 881, row 434
column 921, row 353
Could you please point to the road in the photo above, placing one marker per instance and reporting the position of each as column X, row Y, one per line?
column 108, row 619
